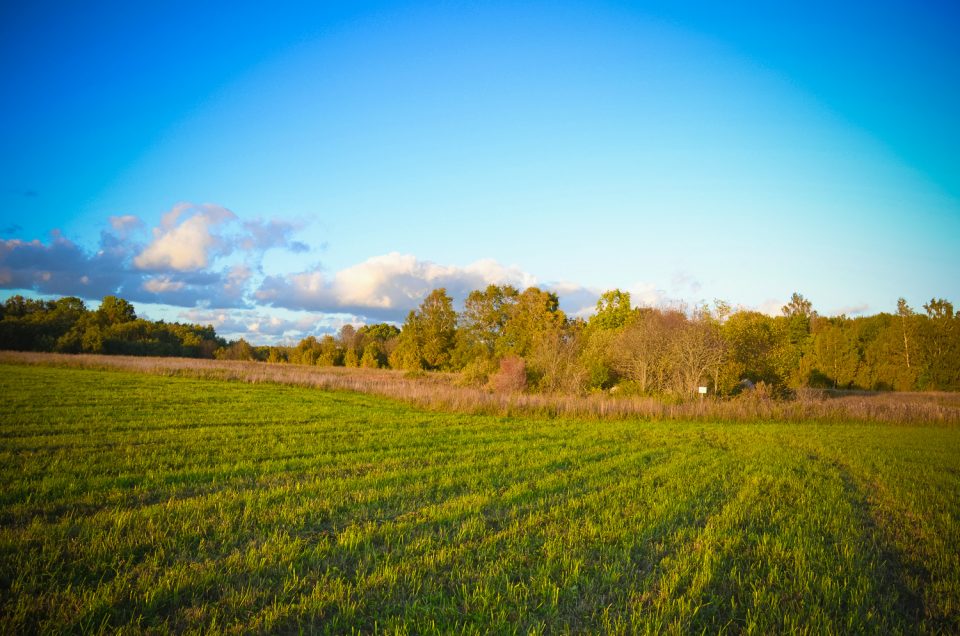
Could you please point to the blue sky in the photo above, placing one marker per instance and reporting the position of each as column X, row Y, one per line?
column 280, row 171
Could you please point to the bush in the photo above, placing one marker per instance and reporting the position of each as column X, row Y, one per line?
column 512, row 375
column 626, row 388
column 478, row 373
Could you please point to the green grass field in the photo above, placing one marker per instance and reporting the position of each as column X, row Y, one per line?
column 148, row 503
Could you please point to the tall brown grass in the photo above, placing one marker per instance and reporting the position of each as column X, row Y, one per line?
column 440, row 391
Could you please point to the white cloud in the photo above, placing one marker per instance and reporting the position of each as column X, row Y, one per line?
column 648, row 295
column 188, row 245
column 161, row 284
column 385, row 286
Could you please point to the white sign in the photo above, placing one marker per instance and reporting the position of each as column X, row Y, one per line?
column 703, row 390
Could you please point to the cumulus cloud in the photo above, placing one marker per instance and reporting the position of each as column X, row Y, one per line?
column 60, row 267
column 188, row 244
column 178, row 263
column 384, row 287
column 191, row 237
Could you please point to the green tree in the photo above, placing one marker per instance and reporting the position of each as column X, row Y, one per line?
column 429, row 334
column 330, row 352
column 835, row 357
column 941, row 344
column 380, row 339
column 114, row 311
column 535, row 314
column 484, row 317
column 613, row 310
column 438, row 327
column 239, row 350
column 373, row 356
column 793, row 330
column 751, row 343
column 798, row 306
column 408, row 352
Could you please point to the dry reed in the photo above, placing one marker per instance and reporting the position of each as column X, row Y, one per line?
column 440, row 391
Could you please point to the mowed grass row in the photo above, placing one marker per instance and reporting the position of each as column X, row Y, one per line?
column 174, row 504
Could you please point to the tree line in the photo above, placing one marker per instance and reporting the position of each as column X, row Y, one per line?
column 67, row 326
column 521, row 340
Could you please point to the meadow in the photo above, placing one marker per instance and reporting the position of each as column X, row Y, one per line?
column 188, row 501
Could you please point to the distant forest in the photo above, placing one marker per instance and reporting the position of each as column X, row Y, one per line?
column 513, row 340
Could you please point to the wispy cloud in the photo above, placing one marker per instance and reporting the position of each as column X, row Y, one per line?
column 126, row 224
column 851, row 310
column 262, row 235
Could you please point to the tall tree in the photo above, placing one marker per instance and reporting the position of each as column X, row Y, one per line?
column 835, row 358
column 438, row 323
column 613, row 310
column 598, row 338
column 751, row 343
column 485, row 314
column 942, row 346
column 794, row 329
column 905, row 313
column 115, row 310
column 428, row 336
column 798, row 306
column 535, row 313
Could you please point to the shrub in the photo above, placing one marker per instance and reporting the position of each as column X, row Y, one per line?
column 478, row 373
column 512, row 375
